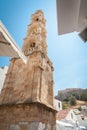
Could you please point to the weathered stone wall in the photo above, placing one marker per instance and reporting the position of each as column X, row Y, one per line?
column 27, row 117
column 29, row 82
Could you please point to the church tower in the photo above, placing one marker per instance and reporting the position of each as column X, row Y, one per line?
column 26, row 101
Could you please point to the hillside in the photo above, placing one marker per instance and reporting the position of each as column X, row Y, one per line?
column 78, row 93
column 79, row 104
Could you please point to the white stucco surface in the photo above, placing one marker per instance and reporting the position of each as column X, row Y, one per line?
column 3, row 71
column 57, row 104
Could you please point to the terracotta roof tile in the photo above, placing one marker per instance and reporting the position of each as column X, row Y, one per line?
column 62, row 114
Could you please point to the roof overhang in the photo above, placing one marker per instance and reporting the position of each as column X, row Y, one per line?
column 8, row 46
column 71, row 15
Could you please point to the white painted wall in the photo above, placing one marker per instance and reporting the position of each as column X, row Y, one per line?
column 3, row 72
column 71, row 116
column 84, row 107
column 64, row 126
column 57, row 104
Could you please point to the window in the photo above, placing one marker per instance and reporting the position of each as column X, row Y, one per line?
column 37, row 19
column 59, row 104
column 32, row 45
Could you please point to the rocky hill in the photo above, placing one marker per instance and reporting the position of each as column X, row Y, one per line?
column 78, row 93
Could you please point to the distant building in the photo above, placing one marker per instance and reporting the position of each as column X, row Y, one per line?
column 67, row 115
column 57, row 104
column 84, row 112
column 84, row 107
column 3, row 71
column 76, row 111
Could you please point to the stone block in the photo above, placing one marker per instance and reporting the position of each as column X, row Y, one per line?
column 15, row 127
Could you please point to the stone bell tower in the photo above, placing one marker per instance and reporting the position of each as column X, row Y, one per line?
column 26, row 101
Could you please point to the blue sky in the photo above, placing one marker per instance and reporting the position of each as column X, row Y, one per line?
column 67, row 52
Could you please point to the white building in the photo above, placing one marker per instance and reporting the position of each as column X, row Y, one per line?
column 84, row 107
column 66, row 120
column 3, row 71
column 67, row 115
column 57, row 104
column 63, row 126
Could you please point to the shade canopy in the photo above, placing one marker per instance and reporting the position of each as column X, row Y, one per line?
column 72, row 15
column 8, row 46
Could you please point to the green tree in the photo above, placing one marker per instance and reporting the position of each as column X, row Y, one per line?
column 66, row 100
column 83, row 97
column 64, row 105
column 73, row 101
column 79, row 109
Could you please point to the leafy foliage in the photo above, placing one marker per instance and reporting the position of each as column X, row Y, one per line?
column 64, row 105
column 79, row 109
column 73, row 101
column 83, row 97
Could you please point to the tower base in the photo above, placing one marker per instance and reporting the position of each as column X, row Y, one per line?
column 33, row 116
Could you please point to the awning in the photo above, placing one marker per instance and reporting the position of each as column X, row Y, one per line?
column 72, row 15
column 8, row 46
